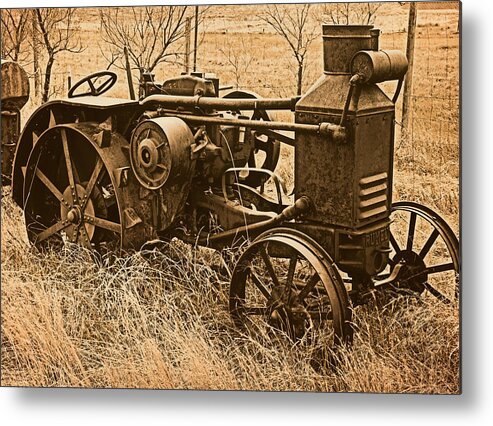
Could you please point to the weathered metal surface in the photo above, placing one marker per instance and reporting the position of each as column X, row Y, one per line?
column 10, row 130
column 14, row 95
column 219, row 104
column 70, row 187
column 15, row 86
column 341, row 177
column 341, row 42
column 375, row 67
column 325, row 129
column 264, row 143
column 264, row 295
column 90, row 109
column 160, row 151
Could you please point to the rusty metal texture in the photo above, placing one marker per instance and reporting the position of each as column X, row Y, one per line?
column 15, row 86
column 14, row 95
column 341, row 42
column 325, row 129
column 219, row 104
column 10, row 130
column 375, row 67
column 282, row 303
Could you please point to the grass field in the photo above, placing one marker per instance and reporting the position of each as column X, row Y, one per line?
column 160, row 319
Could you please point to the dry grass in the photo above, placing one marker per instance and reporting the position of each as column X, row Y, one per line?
column 160, row 319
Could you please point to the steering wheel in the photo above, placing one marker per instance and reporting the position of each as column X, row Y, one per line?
column 91, row 79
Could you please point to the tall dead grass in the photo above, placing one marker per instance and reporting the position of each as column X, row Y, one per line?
column 159, row 319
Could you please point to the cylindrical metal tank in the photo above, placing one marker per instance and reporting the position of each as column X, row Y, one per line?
column 14, row 95
column 15, row 86
column 341, row 42
column 375, row 67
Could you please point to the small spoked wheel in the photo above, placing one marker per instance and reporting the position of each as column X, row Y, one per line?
column 68, row 193
column 427, row 251
column 285, row 283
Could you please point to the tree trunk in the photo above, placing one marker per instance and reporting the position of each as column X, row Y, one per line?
column 36, row 69
column 300, row 79
column 47, row 82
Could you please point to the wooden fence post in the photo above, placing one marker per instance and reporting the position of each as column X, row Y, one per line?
column 196, row 41
column 408, row 82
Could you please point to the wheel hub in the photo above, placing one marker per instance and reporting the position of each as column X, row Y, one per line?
column 75, row 215
column 413, row 274
column 149, row 154
column 282, row 303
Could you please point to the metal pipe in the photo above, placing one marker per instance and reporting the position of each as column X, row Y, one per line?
column 301, row 205
column 220, row 104
column 327, row 129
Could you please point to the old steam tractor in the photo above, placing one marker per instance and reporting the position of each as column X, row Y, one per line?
column 183, row 162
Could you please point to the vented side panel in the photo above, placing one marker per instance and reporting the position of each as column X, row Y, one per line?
column 372, row 196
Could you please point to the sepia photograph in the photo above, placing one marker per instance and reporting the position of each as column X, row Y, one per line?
column 232, row 197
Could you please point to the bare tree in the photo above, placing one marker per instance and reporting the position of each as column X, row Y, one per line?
column 349, row 13
column 148, row 34
column 14, row 33
column 57, row 27
column 239, row 58
column 296, row 25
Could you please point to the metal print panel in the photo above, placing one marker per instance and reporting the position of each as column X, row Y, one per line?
column 243, row 197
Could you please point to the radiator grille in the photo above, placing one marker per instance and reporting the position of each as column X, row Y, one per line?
column 372, row 196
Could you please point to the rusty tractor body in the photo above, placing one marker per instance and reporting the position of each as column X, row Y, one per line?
column 14, row 95
column 184, row 162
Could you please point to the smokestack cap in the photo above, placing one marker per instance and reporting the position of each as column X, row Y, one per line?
column 341, row 42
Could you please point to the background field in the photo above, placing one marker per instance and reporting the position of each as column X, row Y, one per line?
column 160, row 319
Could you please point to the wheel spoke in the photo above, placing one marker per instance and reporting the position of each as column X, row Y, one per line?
column 103, row 223
column 68, row 162
column 259, row 284
column 410, row 234
column 393, row 241
column 440, row 268
column 91, row 86
column 86, row 241
column 53, row 189
column 292, row 268
column 429, row 243
column 48, row 232
column 92, row 181
column 270, row 267
column 310, row 285
column 437, row 294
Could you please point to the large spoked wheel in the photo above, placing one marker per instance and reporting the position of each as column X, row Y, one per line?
column 68, row 193
column 427, row 251
column 285, row 283
column 267, row 149
column 98, row 83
